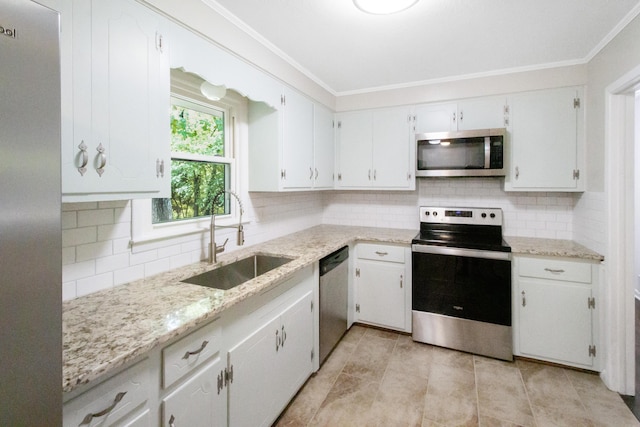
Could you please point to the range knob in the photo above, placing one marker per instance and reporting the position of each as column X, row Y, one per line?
column 484, row 215
column 492, row 215
column 435, row 213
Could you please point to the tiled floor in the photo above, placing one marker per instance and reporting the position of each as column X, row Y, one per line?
column 379, row 378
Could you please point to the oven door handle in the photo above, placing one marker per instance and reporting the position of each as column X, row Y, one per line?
column 471, row 253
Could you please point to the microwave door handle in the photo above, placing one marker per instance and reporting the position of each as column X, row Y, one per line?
column 487, row 152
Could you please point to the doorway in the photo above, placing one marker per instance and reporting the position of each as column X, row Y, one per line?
column 619, row 324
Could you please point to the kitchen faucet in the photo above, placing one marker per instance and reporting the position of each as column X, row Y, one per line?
column 214, row 249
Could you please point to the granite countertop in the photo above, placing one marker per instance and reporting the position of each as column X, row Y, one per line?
column 108, row 329
column 551, row 247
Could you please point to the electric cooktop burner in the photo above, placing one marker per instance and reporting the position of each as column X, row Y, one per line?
column 471, row 228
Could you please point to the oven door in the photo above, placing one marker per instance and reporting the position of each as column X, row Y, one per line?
column 462, row 283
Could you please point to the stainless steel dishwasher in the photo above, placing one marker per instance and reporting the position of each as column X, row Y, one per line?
column 334, row 275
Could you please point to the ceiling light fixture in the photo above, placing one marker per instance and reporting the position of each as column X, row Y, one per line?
column 383, row 7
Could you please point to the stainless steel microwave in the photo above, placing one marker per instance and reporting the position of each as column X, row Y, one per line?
column 478, row 152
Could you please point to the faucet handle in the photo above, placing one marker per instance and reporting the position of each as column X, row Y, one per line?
column 220, row 248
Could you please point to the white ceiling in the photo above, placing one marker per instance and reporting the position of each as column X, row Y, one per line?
column 348, row 51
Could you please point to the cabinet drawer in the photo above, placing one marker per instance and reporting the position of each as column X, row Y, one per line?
column 184, row 355
column 546, row 268
column 114, row 398
column 380, row 252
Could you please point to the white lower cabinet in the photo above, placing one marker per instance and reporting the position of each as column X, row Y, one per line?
column 240, row 369
column 121, row 400
column 270, row 365
column 555, row 305
column 199, row 401
column 383, row 286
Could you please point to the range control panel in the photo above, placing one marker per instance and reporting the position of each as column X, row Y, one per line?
column 455, row 215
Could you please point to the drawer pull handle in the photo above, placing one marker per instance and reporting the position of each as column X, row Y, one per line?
column 382, row 253
column 198, row 351
column 554, row 271
column 172, row 421
column 89, row 417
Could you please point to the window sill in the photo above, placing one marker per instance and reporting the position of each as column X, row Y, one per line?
column 178, row 232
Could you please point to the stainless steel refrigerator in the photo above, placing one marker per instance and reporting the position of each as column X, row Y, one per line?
column 30, row 228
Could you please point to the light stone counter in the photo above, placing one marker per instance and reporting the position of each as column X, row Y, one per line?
column 108, row 329
column 551, row 247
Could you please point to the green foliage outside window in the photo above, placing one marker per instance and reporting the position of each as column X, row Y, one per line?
column 196, row 137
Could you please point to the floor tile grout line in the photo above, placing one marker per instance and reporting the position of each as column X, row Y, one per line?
column 526, row 392
column 333, row 383
column 573, row 386
column 475, row 383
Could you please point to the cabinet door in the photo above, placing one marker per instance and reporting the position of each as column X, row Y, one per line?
column 544, row 139
column 392, row 148
column 323, row 147
column 555, row 321
column 297, row 141
column 121, row 98
column 436, row 118
column 354, row 139
column 481, row 113
column 294, row 363
column 197, row 402
column 251, row 396
column 381, row 293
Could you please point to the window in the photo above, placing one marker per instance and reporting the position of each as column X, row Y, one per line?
column 200, row 163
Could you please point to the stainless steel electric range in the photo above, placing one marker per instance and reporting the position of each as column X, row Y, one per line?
column 462, row 281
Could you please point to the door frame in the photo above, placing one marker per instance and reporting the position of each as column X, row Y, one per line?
column 618, row 371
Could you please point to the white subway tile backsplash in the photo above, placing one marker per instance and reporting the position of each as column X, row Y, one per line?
column 96, row 236
column 95, row 283
column 93, row 250
column 79, row 236
column 95, row 217
column 128, row 274
column 68, row 255
column 112, row 263
column 78, row 270
column 113, row 231
column 69, row 220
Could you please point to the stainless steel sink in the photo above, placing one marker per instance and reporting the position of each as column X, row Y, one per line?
column 234, row 274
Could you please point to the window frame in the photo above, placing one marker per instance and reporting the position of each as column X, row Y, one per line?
column 146, row 235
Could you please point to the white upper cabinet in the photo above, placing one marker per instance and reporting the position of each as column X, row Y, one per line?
column 354, row 144
column 120, row 144
column 546, row 130
column 436, row 118
column 374, row 149
column 290, row 148
column 475, row 113
column 323, row 147
column 297, row 141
